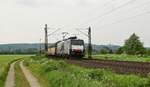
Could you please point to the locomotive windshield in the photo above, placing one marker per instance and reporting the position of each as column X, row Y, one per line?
column 77, row 42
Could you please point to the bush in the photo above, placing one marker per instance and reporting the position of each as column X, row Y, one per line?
column 3, row 74
column 120, row 50
column 104, row 51
column 52, row 66
column 97, row 74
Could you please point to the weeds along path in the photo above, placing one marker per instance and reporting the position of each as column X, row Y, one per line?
column 30, row 78
column 10, row 80
column 20, row 79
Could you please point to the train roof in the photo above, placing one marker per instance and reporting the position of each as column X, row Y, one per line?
column 70, row 38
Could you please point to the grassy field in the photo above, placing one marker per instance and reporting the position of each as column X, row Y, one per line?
column 4, row 65
column 122, row 57
column 52, row 73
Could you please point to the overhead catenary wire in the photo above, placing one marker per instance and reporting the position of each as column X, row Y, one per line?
column 119, row 21
column 146, row 3
column 108, row 12
column 128, row 18
column 141, row 5
column 81, row 32
column 105, row 4
column 54, row 31
column 104, row 14
column 134, row 16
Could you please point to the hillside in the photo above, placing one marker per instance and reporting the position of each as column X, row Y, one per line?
column 33, row 48
column 19, row 48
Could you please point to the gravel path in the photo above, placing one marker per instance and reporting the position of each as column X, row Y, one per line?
column 30, row 78
column 10, row 80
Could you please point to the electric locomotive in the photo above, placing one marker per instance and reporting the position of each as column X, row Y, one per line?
column 71, row 47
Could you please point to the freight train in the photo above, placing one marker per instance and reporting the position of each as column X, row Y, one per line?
column 71, row 47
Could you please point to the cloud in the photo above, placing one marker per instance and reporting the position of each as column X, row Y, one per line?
column 26, row 18
column 57, row 3
column 30, row 3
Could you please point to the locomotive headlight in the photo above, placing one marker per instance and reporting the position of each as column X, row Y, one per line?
column 77, row 48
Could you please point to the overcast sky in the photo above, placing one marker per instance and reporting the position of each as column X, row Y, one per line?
column 112, row 21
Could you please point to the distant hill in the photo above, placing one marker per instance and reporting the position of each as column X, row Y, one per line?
column 19, row 48
column 99, row 47
column 34, row 48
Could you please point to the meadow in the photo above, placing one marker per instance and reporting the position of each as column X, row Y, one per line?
column 5, row 61
column 58, row 73
column 122, row 57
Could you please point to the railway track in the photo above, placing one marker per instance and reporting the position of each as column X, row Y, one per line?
column 122, row 67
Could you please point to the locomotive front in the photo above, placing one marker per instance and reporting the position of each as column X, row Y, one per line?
column 71, row 47
column 77, row 48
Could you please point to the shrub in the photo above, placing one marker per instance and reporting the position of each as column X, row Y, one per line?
column 96, row 74
column 3, row 74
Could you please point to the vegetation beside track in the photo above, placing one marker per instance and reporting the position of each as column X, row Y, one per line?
column 5, row 61
column 52, row 73
column 20, row 80
column 122, row 57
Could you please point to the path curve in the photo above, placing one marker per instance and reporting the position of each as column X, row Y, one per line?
column 30, row 78
column 10, row 80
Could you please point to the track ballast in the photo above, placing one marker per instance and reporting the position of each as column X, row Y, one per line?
column 123, row 67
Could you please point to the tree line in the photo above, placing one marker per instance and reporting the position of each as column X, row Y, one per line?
column 20, row 51
column 132, row 46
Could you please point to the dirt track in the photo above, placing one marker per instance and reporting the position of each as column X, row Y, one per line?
column 124, row 67
column 30, row 78
column 10, row 80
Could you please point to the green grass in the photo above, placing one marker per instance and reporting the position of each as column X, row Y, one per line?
column 5, row 60
column 20, row 80
column 52, row 73
column 122, row 57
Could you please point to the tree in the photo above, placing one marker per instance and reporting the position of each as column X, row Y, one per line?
column 111, row 51
column 119, row 50
column 133, row 45
column 147, row 51
column 104, row 51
